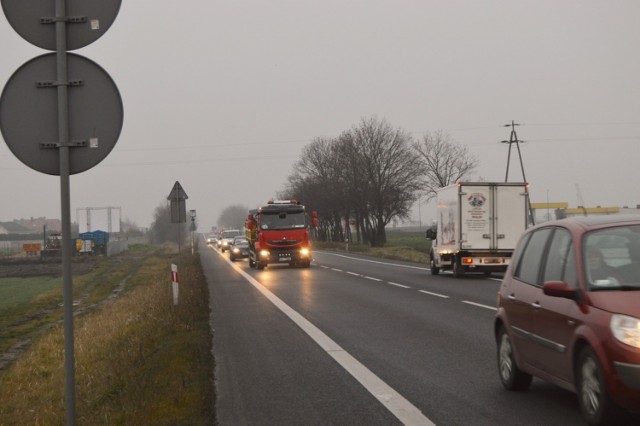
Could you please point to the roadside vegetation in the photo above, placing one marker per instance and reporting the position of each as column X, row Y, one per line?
column 401, row 245
column 139, row 359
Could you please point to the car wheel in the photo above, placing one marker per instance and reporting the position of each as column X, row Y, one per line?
column 231, row 258
column 595, row 405
column 260, row 265
column 252, row 263
column 434, row 269
column 511, row 376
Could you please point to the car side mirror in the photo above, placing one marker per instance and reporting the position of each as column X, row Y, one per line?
column 559, row 289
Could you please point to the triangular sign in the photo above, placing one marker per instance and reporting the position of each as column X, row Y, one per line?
column 177, row 193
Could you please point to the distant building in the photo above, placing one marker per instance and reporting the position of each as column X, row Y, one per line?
column 36, row 225
column 13, row 228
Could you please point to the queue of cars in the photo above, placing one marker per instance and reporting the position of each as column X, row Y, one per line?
column 568, row 312
column 230, row 240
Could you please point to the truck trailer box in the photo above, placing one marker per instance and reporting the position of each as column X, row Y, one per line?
column 478, row 225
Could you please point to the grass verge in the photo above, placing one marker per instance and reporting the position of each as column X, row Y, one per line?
column 139, row 359
column 401, row 245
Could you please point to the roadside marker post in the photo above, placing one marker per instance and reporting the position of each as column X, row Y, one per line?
column 175, row 281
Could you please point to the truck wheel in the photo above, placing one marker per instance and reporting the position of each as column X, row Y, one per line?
column 434, row 269
column 252, row 263
column 260, row 265
column 458, row 271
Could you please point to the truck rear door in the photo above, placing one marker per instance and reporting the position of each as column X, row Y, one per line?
column 510, row 204
column 476, row 217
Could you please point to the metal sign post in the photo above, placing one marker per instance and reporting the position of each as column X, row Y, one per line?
column 192, row 228
column 84, row 113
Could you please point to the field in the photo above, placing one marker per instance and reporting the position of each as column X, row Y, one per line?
column 139, row 359
column 401, row 245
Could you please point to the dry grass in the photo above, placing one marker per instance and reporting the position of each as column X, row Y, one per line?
column 409, row 246
column 139, row 359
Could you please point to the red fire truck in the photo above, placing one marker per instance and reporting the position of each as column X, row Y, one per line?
column 278, row 232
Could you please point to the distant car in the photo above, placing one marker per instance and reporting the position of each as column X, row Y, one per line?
column 569, row 312
column 212, row 239
column 239, row 248
column 227, row 237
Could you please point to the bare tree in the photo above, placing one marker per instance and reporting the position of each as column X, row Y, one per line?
column 316, row 182
column 390, row 175
column 369, row 175
column 443, row 161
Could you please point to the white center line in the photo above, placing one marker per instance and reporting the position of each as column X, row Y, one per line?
column 371, row 278
column 434, row 294
column 493, row 308
column 398, row 285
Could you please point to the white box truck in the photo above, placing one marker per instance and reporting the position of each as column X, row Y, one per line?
column 478, row 225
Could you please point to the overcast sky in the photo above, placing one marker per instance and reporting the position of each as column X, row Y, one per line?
column 223, row 95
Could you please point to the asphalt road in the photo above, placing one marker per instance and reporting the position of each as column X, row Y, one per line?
column 358, row 340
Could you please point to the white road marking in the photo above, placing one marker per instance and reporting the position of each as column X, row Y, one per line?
column 398, row 405
column 373, row 261
column 398, row 285
column 433, row 294
column 493, row 308
column 337, row 270
column 371, row 278
column 353, row 273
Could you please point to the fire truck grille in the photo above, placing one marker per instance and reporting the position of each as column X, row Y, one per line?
column 284, row 242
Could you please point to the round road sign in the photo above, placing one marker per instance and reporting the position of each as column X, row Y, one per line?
column 29, row 114
column 87, row 20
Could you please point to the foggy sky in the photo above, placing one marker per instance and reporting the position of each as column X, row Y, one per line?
column 223, row 95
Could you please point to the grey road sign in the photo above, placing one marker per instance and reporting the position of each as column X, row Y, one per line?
column 28, row 114
column 178, row 204
column 87, row 20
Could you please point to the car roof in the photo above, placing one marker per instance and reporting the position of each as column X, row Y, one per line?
column 588, row 222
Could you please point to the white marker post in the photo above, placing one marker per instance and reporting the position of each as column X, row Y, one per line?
column 175, row 280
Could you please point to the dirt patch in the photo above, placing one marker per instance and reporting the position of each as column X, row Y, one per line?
column 36, row 266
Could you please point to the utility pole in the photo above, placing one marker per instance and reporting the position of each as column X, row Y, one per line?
column 514, row 139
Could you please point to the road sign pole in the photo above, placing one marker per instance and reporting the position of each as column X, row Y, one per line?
column 94, row 122
column 65, row 203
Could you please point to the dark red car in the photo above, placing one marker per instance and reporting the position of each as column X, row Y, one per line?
column 569, row 312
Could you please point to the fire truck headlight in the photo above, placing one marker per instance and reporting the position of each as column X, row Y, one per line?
column 304, row 252
column 264, row 253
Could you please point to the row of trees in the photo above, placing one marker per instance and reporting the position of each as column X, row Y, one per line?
column 368, row 176
column 372, row 174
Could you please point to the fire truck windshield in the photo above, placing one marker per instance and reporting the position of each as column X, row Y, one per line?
column 282, row 220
